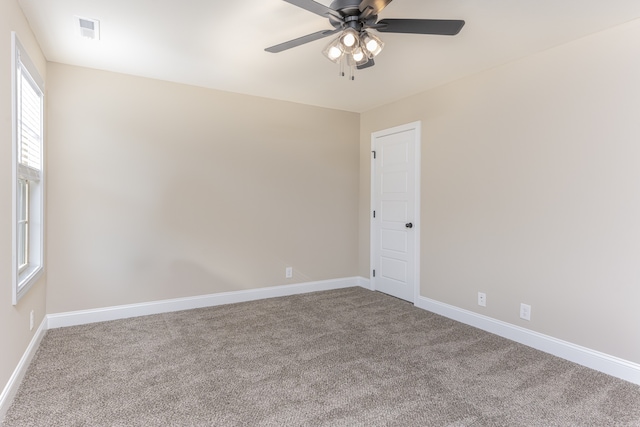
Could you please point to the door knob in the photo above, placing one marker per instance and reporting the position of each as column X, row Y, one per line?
column 409, row 225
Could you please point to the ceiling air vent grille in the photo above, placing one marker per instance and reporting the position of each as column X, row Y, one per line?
column 88, row 28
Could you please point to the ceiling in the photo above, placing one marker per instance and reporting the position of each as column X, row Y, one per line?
column 220, row 44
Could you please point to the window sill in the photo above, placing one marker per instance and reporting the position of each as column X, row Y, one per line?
column 26, row 279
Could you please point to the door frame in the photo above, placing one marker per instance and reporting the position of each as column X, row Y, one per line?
column 417, row 126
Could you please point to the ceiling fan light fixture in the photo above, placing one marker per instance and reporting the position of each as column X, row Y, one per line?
column 372, row 44
column 334, row 51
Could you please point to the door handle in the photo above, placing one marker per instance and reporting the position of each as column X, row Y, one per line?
column 409, row 225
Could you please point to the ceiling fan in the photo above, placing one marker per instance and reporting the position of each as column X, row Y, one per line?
column 352, row 18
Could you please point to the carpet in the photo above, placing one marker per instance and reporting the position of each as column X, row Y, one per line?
column 347, row 357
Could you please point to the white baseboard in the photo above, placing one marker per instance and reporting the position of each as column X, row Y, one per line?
column 11, row 388
column 602, row 362
column 60, row 320
column 365, row 283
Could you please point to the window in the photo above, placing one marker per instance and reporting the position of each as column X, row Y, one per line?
column 28, row 177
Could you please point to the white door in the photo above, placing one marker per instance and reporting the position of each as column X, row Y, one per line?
column 395, row 203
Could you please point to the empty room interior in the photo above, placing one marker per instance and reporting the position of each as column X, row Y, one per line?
column 482, row 173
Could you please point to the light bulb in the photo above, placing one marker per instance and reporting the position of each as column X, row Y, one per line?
column 334, row 53
column 358, row 55
column 372, row 45
column 349, row 40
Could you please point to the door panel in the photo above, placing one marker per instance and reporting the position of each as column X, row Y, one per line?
column 394, row 182
column 393, row 155
column 393, row 212
column 393, row 269
column 391, row 240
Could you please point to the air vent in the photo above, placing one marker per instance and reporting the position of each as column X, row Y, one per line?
column 88, row 28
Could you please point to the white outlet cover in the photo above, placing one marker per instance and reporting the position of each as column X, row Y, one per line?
column 482, row 299
column 288, row 273
column 525, row 311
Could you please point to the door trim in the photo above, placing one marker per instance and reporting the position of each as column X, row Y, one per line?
column 417, row 126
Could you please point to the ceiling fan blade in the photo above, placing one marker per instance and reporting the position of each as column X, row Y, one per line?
column 302, row 40
column 444, row 27
column 372, row 7
column 317, row 8
column 369, row 63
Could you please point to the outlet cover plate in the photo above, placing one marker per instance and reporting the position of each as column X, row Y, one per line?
column 482, row 299
column 525, row 311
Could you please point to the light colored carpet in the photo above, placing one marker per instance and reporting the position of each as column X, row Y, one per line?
column 349, row 357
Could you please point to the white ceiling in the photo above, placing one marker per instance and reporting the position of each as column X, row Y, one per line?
column 220, row 44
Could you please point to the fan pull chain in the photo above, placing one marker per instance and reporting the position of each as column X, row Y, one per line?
column 352, row 70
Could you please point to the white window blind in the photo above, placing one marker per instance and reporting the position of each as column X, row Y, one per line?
column 30, row 127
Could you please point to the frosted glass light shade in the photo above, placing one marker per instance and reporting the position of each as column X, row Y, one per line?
column 359, row 56
column 372, row 44
column 334, row 51
column 349, row 40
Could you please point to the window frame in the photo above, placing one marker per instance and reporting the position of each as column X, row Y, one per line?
column 23, row 218
column 25, row 275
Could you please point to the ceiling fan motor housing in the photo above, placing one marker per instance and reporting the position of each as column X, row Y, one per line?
column 347, row 7
column 350, row 10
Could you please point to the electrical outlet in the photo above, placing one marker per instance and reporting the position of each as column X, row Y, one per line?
column 482, row 299
column 525, row 311
column 31, row 320
column 288, row 272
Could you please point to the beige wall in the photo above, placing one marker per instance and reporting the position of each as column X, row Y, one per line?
column 159, row 190
column 14, row 320
column 531, row 190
